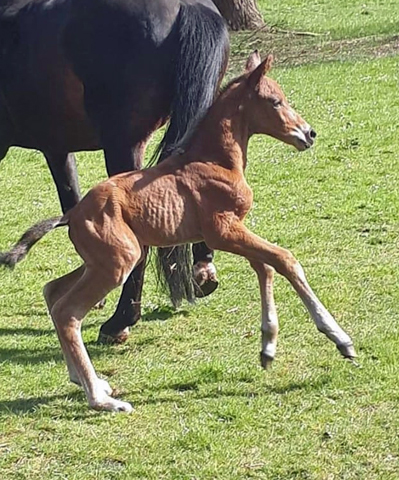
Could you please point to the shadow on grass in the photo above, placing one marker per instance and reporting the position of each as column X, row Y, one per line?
column 26, row 313
column 26, row 405
column 175, row 393
column 34, row 332
column 158, row 314
column 31, row 405
column 38, row 332
column 182, row 398
column 190, row 391
column 162, row 314
column 307, row 385
column 310, row 49
column 32, row 356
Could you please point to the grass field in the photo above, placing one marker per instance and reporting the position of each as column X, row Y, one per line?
column 204, row 409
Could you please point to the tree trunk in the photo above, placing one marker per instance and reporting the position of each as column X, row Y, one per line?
column 240, row 14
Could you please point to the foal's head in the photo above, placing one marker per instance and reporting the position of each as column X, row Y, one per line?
column 268, row 110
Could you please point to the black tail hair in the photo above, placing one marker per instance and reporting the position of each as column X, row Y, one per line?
column 202, row 61
column 28, row 239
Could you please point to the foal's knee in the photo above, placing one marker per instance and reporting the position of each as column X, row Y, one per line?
column 263, row 269
column 287, row 265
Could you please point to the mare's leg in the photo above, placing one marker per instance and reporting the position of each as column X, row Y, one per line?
column 124, row 151
column 120, row 158
column 239, row 240
column 128, row 311
column 269, row 325
column 3, row 150
column 123, row 145
column 6, row 129
column 63, row 169
column 204, row 271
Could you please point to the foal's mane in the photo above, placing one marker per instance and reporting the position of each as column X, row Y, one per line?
column 180, row 146
column 229, row 84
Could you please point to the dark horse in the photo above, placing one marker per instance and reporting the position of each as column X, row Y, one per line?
column 105, row 74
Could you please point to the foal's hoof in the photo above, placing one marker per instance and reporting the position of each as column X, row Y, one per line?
column 266, row 360
column 111, row 405
column 347, row 351
column 205, row 281
column 104, row 385
column 108, row 339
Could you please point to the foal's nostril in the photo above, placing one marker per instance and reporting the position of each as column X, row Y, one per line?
column 312, row 133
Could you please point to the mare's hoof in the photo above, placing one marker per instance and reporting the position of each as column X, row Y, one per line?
column 347, row 351
column 100, row 305
column 206, row 288
column 205, row 281
column 108, row 339
column 266, row 360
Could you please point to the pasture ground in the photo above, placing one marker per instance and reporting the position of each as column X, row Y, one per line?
column 203, row 407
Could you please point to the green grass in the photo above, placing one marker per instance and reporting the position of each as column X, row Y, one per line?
column 203, row 407
column 339, row 18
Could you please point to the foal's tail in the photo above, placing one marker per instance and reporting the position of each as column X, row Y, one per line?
column 201, row 64
column 28, row 239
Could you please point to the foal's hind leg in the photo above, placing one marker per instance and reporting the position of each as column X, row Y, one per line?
column 52, row 292
column 236, row 238
column 55, row 290
column 67, row 314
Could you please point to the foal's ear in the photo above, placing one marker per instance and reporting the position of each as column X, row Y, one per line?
column 253, row 62
column 256, row 76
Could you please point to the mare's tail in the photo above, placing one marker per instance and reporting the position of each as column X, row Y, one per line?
column 28, row 239
column 202, row 62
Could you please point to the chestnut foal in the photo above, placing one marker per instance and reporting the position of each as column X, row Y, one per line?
column 197, row 194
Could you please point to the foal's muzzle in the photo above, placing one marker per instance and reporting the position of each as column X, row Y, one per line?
column 303, row 139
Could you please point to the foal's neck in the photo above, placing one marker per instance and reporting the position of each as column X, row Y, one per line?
column 223, row 135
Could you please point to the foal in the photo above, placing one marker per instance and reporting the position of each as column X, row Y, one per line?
column 199, row 194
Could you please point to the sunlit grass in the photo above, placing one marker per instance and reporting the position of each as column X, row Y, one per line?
column 203, row 407
column 338, row 19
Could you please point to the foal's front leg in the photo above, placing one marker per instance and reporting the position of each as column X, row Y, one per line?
column 269, row 325
column 236, row 238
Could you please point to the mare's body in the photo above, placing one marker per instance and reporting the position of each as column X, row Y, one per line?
column 100, row 74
